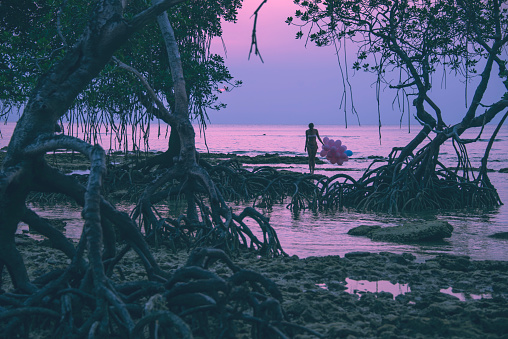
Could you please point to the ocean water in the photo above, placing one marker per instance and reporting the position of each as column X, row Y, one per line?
column 319, row 234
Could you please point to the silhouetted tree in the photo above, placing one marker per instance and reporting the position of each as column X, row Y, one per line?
column 103, row 306
column 404, row 43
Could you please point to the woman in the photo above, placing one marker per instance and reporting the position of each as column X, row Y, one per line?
column 311, row 146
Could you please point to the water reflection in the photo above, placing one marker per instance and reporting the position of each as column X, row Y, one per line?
column 359, row 286
column 319, row 234
column 309, row 233
column 465, row 296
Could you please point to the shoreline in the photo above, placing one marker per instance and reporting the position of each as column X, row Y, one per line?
column 123, row 194
column 444, row 297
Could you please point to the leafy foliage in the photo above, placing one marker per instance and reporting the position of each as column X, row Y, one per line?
column 35, row 36
column 404, row 43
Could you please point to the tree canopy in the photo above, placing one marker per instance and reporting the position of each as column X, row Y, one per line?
column 405, row 43
column 36, row 36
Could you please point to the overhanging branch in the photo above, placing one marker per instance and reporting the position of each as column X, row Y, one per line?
column 254, row 40
column 163, row 111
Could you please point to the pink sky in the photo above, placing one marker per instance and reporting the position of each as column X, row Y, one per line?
column 294, row 85
column 298, row 84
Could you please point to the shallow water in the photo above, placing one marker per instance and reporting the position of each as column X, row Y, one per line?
column 359, row 286
column 321, row 234
column 311, row 234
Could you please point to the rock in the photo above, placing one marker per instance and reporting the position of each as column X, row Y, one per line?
column 387, row 330
column 409, row 256
column 358, row 254
column 363, row 230
column 384, row 295
column 455, row 262
column 414, row 232
column 444, row 309
column 500, row 235
column 492, row 265
column 341, row 330
column 401, row 259
column 498, row 325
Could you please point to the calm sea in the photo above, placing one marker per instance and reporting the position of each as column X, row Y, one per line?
column 320, row 234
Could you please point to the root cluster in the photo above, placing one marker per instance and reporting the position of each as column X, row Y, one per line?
column 386, row 186
column 192, row 301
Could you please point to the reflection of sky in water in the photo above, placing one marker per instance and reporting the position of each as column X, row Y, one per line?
column 465, row 296
column 312, row 234
column 358, row 286
column 320, row 234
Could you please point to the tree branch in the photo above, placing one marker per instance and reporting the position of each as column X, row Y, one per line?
column 156, row 9
column 164, row 113
column 254, row 40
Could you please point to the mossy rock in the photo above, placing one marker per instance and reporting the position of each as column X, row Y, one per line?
column 500, row 235
column 414, row 232
column 363, row 230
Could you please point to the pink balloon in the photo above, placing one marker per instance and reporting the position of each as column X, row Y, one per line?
column 334, row 151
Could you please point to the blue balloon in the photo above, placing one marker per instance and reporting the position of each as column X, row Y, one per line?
column 349, row 152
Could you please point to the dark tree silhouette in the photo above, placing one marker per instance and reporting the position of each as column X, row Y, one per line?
column 404, row 43
column 106, row 309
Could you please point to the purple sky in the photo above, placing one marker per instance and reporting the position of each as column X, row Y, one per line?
column 298, row 84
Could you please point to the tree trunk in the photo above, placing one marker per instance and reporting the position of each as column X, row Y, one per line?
column 107, row 30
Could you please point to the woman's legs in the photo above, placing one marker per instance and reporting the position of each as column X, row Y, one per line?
column 312, row 150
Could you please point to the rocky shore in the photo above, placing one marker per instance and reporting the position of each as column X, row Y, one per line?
column 360, row 295
column 445, row 297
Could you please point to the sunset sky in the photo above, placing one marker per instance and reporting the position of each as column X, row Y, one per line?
column 298, row 84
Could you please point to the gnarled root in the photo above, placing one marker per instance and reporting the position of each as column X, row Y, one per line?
column 195, row 301
column 208, row 221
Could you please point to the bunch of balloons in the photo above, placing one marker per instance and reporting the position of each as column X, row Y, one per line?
column 335, row 151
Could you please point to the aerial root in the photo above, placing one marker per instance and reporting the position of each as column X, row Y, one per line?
column 386, row 186
column 167, row 322
column 194, row 301
column 208, row 221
